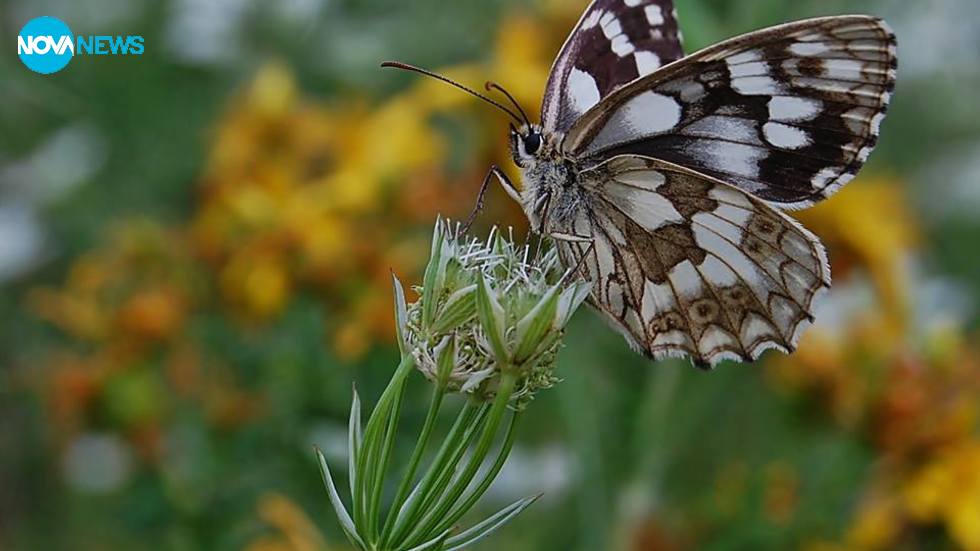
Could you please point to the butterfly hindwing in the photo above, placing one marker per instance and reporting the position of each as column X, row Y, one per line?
column 788, row 113
column 615, row 42
column 685, row 264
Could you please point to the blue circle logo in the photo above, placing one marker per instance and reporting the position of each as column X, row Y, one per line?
column 45, row 45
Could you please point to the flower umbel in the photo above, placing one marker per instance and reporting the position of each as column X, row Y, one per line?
column 487, row 324
column 487, row 307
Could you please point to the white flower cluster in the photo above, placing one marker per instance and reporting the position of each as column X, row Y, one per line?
column 485, row 308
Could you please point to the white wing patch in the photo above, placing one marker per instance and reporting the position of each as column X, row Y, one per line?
column 648, row 112
column 582, row 90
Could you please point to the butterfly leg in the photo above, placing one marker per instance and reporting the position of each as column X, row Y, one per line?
column 571, row 238
column 502, row 178
column 575, row 240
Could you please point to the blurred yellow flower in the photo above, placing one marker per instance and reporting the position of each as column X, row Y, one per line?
column 947, row 490
column 877, row 526
column 256, row 281
column 920, row 411
column 522, row 59
column 299, row 193
column 293, row 529
column 868, row 225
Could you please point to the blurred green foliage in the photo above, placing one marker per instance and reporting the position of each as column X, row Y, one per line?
column 169, row 350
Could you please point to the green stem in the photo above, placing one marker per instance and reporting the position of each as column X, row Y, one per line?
column 371, row 442
column 443, row 464
column 424, row 530
column 491, row 475
column 406, row 483
column 378, row 479
column 447, row 468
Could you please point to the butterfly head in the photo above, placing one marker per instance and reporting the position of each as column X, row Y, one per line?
column 529, row 143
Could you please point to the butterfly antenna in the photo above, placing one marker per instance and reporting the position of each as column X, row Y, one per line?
column 426, row 72
column 493, row 85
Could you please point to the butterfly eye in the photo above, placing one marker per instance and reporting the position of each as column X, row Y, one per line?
column 532, row 142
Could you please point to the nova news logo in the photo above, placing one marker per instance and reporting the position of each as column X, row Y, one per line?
column 45, row 45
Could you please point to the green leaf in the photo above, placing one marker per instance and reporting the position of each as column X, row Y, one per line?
column 571, row 298
column 338, row 506
column 445, row 358
column 532, row 328
column 437, row 237
column 461, row 480
column 460, row 307
column 395, row 511
column 383, row 461
column 467, row 421
column 354, row 438
column 492, row 318
column 418, row 526
column 434, row 543
column 488, row 476
column 371, row 447
column 401, row 315
column 435, row 273
column 481, row 530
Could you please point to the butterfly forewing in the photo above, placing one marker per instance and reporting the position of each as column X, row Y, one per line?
column 788, row 113
column 685, row 264
column 614, row 43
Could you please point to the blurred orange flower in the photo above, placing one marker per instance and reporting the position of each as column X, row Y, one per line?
column 139, row 286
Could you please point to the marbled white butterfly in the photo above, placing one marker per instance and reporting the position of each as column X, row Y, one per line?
column 662, row 178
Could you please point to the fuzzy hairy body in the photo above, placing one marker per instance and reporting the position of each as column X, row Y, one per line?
column 550, row 195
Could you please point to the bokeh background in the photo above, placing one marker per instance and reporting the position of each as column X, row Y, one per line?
column 195, row 248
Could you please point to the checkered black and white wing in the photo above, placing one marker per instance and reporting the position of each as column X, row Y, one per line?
column 614, row 43
column 789, row 113
column 687, row 265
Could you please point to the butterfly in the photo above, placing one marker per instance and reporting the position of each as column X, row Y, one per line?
column 664, row 178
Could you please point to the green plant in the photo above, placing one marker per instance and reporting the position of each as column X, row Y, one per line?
column 488, row 324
